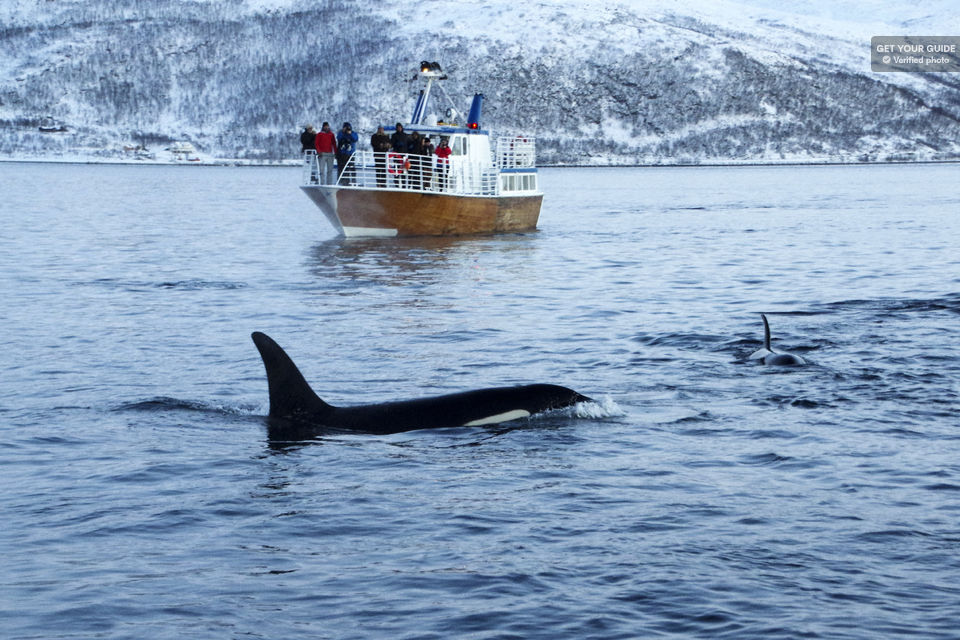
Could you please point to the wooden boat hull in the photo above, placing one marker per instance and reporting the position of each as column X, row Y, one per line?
column 357, row 211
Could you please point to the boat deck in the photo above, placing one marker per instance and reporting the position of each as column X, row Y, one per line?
column 510, row 172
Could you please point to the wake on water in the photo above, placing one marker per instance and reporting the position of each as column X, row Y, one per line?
column 605, row 407
column 164, row 403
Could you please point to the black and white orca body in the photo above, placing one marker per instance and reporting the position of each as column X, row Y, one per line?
column 770, row 356
column 291, row 398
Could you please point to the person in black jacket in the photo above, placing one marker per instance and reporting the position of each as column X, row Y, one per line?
column 306, row 138
column 426, row 162
column 413, row 149
column 400, row 140
column 380, row 142
column 401, row 144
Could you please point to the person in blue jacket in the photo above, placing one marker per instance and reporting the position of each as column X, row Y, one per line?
column 346, row 146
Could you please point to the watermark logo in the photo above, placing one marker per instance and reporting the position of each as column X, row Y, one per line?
column 914, row 54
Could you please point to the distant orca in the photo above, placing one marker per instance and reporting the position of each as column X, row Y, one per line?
column 291, row 398
column 769, row 355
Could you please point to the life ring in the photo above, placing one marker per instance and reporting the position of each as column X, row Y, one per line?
column 397, row 163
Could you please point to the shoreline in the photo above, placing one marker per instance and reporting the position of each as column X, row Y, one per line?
column 286, row 164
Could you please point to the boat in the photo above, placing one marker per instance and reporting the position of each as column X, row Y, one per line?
column 480, row 188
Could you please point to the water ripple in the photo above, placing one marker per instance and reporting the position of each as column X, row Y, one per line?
column 701, row 495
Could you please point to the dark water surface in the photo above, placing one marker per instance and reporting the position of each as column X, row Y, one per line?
column 704, row 496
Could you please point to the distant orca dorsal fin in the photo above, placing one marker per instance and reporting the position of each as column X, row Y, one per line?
column 769, row 355
column 290, row 394
column 766, row 333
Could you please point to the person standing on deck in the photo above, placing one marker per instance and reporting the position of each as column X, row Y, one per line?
column 413, row 148
column 443, row 163
column 380, row 142
column 426, row 161
column 346, row 146
column 400, row 142
column 307, row 137
column 326, row 147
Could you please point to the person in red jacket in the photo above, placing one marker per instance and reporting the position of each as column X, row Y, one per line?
column 326, row 145
column 443, row 162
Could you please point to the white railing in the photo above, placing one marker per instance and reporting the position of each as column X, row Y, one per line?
column 407, row 171
column 309, row 170
column 516, row 152
column 512, row 171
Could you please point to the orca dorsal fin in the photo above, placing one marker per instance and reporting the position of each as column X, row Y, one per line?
column 766, row 333
column 290, row 395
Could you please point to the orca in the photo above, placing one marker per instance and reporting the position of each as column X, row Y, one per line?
column 769, row 355
column 292, row 399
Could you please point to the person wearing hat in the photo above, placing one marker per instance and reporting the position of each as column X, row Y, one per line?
column 400, row 142
column 443, row 153
column 380, row 142
column 426, row 162
column 346, row 146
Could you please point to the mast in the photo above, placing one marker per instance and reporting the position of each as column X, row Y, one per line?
column 431, row 72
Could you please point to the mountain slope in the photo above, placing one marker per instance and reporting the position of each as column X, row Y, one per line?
column 597, row 83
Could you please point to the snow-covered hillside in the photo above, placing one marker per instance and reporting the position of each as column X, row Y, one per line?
column 655, row 81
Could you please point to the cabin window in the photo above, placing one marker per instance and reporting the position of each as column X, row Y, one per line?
column 458, row 145
column 518, row 182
